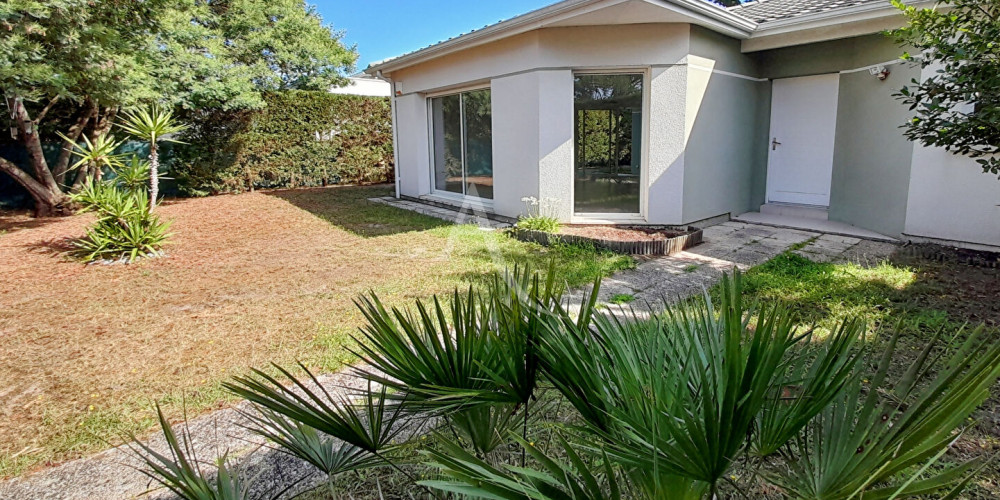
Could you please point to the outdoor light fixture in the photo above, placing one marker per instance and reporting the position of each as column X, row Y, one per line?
column 880, row 72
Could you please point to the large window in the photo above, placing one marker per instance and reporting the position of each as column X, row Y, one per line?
column 462, row 130
column 608, row 143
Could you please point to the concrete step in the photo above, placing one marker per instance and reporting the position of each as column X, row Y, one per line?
column 801, row 211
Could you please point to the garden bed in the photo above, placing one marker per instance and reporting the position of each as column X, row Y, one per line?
column 630, row 239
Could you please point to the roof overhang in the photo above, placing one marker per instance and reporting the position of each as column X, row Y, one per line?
column 830, row 25
column 583, row 13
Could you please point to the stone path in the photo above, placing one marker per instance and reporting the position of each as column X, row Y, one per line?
column 113, row 474
column 728, row 245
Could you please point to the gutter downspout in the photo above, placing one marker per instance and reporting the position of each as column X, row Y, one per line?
column 395, row 133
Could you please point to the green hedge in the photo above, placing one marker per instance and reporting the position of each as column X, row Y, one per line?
column 299, row 139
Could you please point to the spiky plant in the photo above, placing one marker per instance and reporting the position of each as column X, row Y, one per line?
column 180, row 471
column 97, row 154
column 152, row 125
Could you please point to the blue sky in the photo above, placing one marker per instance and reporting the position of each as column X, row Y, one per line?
column 387, row 28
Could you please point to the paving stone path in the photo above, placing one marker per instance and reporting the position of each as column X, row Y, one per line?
column 728, row 245
column 113, row 474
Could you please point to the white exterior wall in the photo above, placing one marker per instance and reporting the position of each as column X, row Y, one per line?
column 950, row 197
column 413, row 145
column 364, row 86
column 531, row 77
column 515, row 141
column 555, row 121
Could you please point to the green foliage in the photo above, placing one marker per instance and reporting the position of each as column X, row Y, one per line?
column 671, row 403
column 621, row 298
column 958, row 107
column 100, row 153
column 125, row 227
column 539, row 223
column 556, row 479
column 299, row 139
column 181, row 473
column 84, row 60
column 300, row 440
column 885, row 446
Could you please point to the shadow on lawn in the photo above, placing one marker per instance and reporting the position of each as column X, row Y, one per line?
column 15, row 220
column 348, row 208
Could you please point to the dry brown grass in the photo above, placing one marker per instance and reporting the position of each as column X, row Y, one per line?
column 249, row 279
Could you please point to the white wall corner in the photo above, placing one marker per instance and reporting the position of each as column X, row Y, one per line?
column 668, row 130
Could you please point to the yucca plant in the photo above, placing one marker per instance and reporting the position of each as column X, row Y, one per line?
column 125, row 228
column 152, row 125
column 98, row 154
column 132, row 174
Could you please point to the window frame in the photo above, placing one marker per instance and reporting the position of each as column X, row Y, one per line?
column 612, row 217
column 462, row 197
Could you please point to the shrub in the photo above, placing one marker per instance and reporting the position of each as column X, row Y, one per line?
column 126, row 228
column 675, row 403
column 539, row 215
column 300, row 138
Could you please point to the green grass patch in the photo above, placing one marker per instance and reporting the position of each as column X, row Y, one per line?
column 824, row 293
column 622, row 298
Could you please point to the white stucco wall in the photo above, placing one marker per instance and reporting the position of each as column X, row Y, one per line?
column 515, row 140
column 413, row 145
column 364, row 86
column 950, row 197
column 555, row 143
column 531, row 77
column 665, row 157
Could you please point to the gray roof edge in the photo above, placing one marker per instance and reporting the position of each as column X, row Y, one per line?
column 699, row 8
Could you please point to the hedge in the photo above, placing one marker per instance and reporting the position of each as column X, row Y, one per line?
column 300, row 138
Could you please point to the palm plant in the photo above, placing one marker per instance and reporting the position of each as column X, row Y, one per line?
column 152, row 125
column 873, row 434
column 182, row 473
column 673, row 403
column 96, row 154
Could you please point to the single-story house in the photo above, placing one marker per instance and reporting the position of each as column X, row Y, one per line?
column 364, row 85
column 679, row 112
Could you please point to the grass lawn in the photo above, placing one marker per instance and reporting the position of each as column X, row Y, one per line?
column 249, row 279
column 920, row 295
column 916, row 294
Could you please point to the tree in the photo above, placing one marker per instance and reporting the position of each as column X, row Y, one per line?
column 957, row 108
column 152, row 126
column 96, row 57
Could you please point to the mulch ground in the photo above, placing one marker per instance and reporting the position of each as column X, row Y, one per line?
column 248, row 279
column 620, row 233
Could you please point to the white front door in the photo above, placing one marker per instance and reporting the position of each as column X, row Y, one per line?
column 803, row 124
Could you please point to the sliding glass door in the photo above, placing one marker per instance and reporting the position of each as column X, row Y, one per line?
column 608, row 143
column 462, row 143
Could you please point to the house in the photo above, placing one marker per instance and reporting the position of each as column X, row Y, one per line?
column 364, row 85
column 683, row 112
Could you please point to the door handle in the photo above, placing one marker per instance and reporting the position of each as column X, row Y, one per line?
column 774, row 144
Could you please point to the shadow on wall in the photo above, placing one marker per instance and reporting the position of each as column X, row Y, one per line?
column 348, row 208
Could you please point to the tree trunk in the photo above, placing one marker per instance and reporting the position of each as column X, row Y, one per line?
column 61, row 167
column 154, row 174
column 49, row 199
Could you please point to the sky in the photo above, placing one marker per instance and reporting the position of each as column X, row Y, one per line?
column 386, row 28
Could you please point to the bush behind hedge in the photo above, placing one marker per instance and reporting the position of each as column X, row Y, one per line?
column 300, row 138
